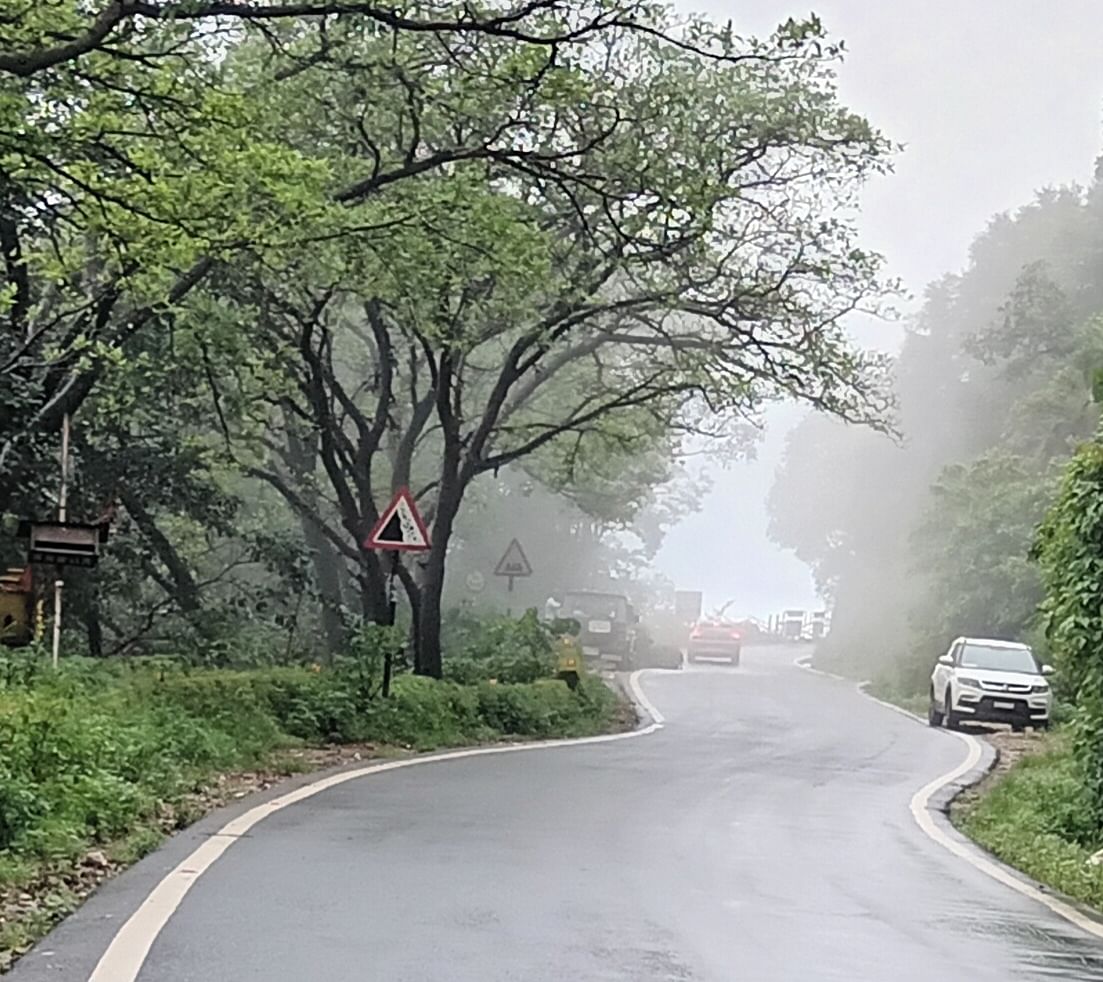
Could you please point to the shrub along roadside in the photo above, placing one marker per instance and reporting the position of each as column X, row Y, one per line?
column 93, row 758
column 1038, row 818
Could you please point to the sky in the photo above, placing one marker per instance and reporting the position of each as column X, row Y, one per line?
column 993, row 100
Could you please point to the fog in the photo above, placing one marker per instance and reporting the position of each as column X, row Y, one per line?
column 993, row 99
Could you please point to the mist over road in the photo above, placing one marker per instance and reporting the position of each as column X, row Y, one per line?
column 763, row 834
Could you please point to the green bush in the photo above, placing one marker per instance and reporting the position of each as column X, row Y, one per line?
column 1069, row 551
column 90, row 751
column 1040, row 819
column 500, row 648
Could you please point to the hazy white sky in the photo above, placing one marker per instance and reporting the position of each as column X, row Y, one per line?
column 994, row 99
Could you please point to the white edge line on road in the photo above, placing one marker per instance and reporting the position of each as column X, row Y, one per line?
column 963, row 849
column 129, row 948
column 638, row 694
column 805, row 662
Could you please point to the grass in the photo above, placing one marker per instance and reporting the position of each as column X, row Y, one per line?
column 910, row 701
column 103, row 759
column 1035, row 818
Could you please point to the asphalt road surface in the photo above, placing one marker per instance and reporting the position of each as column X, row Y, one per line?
column 763, row 835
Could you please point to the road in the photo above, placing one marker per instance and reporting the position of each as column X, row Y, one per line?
column 762, row 835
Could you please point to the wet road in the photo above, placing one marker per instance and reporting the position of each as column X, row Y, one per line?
column 762, row 835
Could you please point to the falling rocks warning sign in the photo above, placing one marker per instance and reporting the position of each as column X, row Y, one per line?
column 400, row 527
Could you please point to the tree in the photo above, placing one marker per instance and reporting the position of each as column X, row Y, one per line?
column 141, row 185
column 37, row 39
column 582, row 288
column 455, row 241
column 929, row 539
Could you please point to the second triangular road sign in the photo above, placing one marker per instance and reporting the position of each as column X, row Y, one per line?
column 514, row 562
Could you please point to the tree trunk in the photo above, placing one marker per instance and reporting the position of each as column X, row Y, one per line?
column 413, row 598
column 328, row 567
column 95, row 631
column 186, row 591
column 373, row 593
column 428, row 659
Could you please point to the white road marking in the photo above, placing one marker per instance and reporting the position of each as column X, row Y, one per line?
column 904, row 712
column 129, row 948
column 921, row 811
column 638, row 694
column 962, row 848
column 805, row 662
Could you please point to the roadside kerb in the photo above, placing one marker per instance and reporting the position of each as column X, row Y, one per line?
column 930, row 807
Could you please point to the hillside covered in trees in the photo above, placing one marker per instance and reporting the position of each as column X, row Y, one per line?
column 929, row 536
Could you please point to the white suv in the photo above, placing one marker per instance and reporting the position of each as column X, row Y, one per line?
column 992, row 682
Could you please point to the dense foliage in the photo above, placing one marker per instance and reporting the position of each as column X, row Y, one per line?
column 277, row 260
column 1070, row 555
column 930, row 537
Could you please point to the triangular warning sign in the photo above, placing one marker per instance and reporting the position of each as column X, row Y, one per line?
column 400, row 527
column 514, row 562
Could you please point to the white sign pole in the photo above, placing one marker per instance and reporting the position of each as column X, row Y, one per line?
column 62, row 500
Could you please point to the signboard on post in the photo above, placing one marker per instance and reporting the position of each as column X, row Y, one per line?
column 400, row 528
column 513, row 564
column 16, row 606
column 64, row 543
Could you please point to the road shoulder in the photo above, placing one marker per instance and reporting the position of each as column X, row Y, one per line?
column 932, row 810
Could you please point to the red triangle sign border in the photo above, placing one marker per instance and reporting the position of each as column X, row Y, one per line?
column 413, row 531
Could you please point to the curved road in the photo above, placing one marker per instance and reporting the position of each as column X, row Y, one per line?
column 762, row 835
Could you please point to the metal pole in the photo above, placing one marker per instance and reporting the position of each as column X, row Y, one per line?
column 62, row 501
column 392, row 611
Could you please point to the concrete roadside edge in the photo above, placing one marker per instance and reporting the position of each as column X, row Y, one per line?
column 942, row 799
column 931, row 809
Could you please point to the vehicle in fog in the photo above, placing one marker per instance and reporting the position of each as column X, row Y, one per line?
column 792, row 625
column 716, row 641
column 990, row 681
column 607, row 632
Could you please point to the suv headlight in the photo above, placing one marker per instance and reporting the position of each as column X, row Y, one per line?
column 969, row 683
column 1040, row 687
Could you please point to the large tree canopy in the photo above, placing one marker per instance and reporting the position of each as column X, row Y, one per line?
column 331, row 249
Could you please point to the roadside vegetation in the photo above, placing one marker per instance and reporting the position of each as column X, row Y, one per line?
column 986, row 517
column 106, row 756
column 1038, row 818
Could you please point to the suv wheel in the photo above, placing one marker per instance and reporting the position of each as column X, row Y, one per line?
column 934, row 717
column 949, row 717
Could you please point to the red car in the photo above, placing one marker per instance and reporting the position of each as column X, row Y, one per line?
column 715, row 641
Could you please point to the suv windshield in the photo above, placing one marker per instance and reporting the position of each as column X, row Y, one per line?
column 998, row 659
column 584, row 605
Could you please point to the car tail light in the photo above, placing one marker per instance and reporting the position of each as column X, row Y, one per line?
column 736, row 635
column 695, row 633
